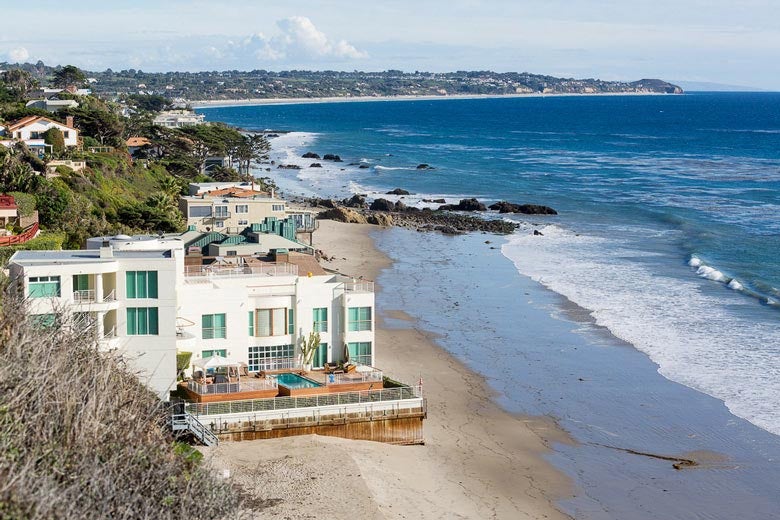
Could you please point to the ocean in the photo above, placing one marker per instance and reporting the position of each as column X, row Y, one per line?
column 667, row 241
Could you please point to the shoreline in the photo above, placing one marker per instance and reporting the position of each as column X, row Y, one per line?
column 226, row 103
column 478, row 460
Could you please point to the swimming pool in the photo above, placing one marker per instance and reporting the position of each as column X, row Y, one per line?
column 295, row 381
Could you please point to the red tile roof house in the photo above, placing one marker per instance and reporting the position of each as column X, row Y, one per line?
column 30, row 130
column 9, row 211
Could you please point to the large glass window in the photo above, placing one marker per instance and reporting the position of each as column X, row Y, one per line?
column 141, row 284
column 242, row 208
column 359, row 318
column 271, row 358
column 142, row 321
column 42, row 321
column 360, row 352
column 321, row 319
column 216, row 352
column 213, row 326
column 274, row 322
column 320, row 356
column 44, row 287
column 251, row 324
column 221, row 211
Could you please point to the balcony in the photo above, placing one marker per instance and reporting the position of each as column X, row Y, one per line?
column 359, row 286
column 222, row 215
column 206, row 273
column 246, row 388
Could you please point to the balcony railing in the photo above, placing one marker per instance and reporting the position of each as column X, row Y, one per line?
column 365, row 376
column 252, row 385
column 84, row 296
column 110, row 297
column 210, row 271
column 359, row 286
column 280, row 363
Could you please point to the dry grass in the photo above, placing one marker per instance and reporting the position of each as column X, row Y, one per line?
column 81, row 438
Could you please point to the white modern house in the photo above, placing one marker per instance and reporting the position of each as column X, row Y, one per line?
column 52, row 105
column 141, row 296
column 179, row 118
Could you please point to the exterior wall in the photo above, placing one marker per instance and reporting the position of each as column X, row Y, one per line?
column 258, row 210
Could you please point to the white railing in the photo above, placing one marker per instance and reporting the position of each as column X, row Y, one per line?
column 110, row 297
column 230, row 388
column 372, row 376
column 207, row 271
column 110, row 333
column 87, row 295
column 291, row 403
column 359, row 286
column 284, row 363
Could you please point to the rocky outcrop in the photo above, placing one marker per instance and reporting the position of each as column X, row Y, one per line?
column 315, row 165
column 382, row 205
column 323, row 203
column 356, row 201
column 289, row 167
column 343, row 215
column 398, row 191
column 464, row 205
column 310, row 155
column 331, row 157
column 364, row 166
column 380, row 219
column 435, row 201
column 424, row 166
column 525, row 209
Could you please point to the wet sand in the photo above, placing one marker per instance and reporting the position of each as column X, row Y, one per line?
column 478, row 460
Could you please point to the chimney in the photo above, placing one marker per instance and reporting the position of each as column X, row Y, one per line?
column 272, row 193
column 69, row 121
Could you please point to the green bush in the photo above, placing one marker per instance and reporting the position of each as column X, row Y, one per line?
column 55, row 138
column 26, row 203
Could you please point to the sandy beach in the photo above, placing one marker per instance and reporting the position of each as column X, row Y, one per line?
column 478, row 460
column 222, row 103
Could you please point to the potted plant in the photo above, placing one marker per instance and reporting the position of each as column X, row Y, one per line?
column 309, row 346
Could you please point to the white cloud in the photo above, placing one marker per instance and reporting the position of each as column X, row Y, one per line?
column 18, row 55
column 300, row 40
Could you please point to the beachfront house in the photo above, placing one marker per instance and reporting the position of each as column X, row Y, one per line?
column 142, row 296
column 179, row 118
column 231, row 208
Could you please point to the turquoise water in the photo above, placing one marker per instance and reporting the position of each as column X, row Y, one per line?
column 668, row 233
column 296, row 381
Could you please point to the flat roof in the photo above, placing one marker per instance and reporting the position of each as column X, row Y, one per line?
column 79, row 255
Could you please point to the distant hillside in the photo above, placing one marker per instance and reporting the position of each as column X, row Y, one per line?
column 314, row 84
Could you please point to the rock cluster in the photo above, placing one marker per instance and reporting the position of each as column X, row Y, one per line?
column 525, row 209
column 310, row 155
column 398, row 191
column 464, row 205
column 331, row 157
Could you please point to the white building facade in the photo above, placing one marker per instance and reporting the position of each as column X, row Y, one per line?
column 137, row 296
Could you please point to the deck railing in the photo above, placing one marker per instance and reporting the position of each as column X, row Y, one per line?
column 84, row 295
column 372, row 376
column 289, row 403
column 230, row 388
column 206, row 271
column 359, row 286
column 27, row 234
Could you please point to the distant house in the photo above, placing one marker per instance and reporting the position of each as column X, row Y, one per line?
column 179, row 118
column 31, row 129
column 134, row 144
column 52, row 105
column 9, row 211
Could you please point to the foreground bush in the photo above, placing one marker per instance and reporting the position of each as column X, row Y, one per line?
column 81, row 438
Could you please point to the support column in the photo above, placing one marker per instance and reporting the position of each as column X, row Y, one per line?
column 98, row 287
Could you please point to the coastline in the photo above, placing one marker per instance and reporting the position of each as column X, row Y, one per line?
column 225, row 103
column 478, row 461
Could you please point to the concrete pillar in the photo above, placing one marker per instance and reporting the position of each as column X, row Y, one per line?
column 99, row 287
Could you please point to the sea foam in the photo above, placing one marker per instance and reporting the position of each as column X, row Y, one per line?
column 691, row 333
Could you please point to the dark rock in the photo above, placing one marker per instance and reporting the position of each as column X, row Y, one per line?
column 525, row 209
column 315, row 165
column 310, row 155
column 343, row 215
column 465, row 205
column 448, row 230
column 425, row 166
column 435, row 201
column 538, row 233
column 382, row 205
column 289, row 167
column 380, row 219
column 325, row 203
column 356, row 201
column 364, row 166
column 398, row 191
column 331, row 157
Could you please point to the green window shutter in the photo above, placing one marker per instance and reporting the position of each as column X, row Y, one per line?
column 130, row 284
column 132, row 321
column 220, row 326
column 143, row 320
column 207, row 326
column 80, row 282
column 152, row 282
column 251, row 324
column 290, row 321
column 154, row 327
column 140, row 285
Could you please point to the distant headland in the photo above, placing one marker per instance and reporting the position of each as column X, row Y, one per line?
column 237, row 85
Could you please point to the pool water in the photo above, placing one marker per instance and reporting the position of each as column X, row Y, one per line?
column 295, row 381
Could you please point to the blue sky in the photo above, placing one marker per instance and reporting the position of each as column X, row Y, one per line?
column 696, row 40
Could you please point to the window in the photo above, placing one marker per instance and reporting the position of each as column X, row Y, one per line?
column 219, row 223
column 141, row 284
column 359, row 318
column 232, row 253
column 36, row 135
column 320, row 356
column 360, row 352
column 217, row 352
column 277, row 207
column 274, row 322
column 251, row 324
column 243, row 222
column 271, row 358
column 213, row 326
column 43, row 321
column 44, row 287
column 321, row 319
column 221, row 211
column 66, row 134
column 142, row 321
column 80, row 282
column 200, row 211
column 242, row 208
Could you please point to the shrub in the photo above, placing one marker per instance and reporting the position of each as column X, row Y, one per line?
column 25, row 202
column 55, row 138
